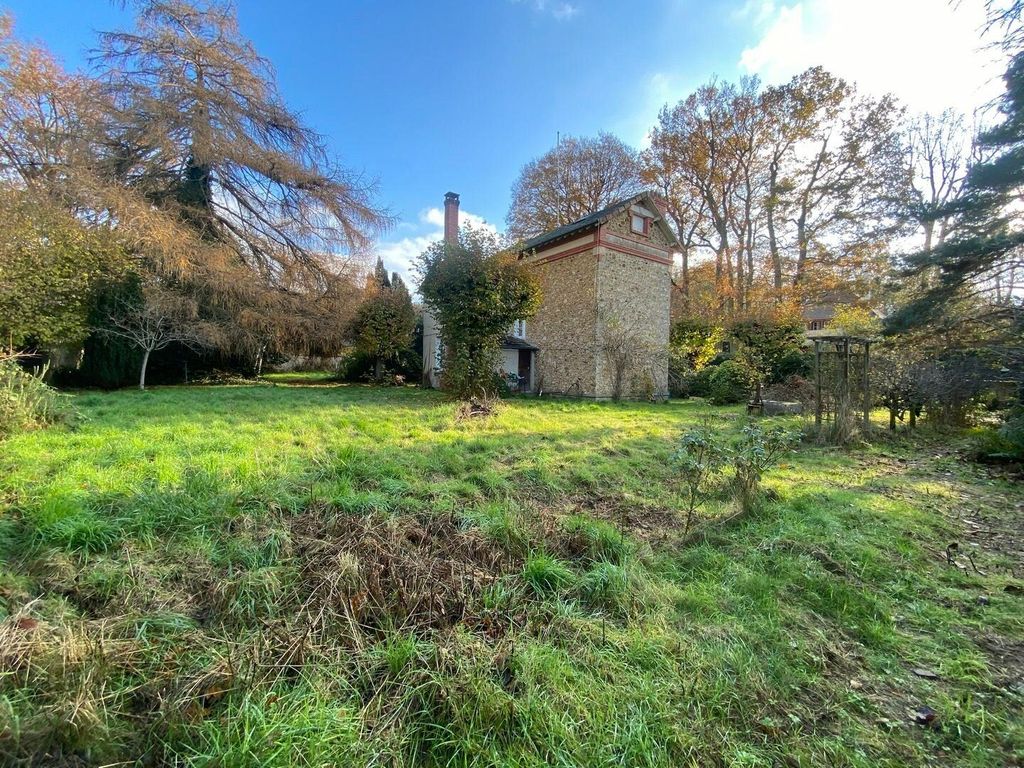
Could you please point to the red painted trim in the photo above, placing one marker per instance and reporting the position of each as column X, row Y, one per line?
column 571, row 252
column 598, row 241
column 633, row 252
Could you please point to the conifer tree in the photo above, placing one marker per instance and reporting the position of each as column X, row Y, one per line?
column 987, row 237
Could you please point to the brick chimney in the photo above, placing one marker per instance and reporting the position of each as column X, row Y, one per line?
column 451, row 218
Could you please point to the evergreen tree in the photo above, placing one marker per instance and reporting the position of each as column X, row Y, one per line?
column 987, row 238
column 198, row 129
column 380, row 275
column 385, row 322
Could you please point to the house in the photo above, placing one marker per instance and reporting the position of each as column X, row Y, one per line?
column 819, row 313
column 602, row 329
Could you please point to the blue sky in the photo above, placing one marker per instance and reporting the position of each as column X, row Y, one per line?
column 431, row 96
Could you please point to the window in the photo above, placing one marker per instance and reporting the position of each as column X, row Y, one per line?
column 638, row 223
column 519, row 329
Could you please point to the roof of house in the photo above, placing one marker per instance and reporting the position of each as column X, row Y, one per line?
column 820, row 312
column 596, row 218
column 514, row 342
column 823, row 307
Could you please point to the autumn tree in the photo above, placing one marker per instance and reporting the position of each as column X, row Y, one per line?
column 476, row 289
column 691, row 159
column 785, row 186
column 198, row 128
column 576, row 178
column 849, row 188
column 385, row 321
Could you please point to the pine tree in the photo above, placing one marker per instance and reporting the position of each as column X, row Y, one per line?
column 987, row 238
column 384, row 324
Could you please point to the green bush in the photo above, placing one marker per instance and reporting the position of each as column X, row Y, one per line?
column 757, row 450
column 358, row 367
column 730, row 382
column 26, row 402
column 691, row 383
column 1003, row 443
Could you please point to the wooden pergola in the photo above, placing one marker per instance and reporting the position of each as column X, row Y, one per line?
column 842, row 377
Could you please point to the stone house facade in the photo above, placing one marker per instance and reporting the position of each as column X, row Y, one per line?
column 602, row 329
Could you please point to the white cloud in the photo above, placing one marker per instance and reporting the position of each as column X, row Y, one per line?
column 564, row 11
column 399, row 255
column 559, row 10
column 435, row 217
column 927, row 52
column 754, row 11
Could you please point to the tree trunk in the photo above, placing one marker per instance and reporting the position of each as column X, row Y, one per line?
column 892, row 420
column 686, row 261
column 801, row 236
column 773, row 241
column 378, row 370
column 142, row 372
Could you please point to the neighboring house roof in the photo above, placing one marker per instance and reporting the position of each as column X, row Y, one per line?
column 514, row 342
column 821, row 312
column 823, row 306
column 592, row 220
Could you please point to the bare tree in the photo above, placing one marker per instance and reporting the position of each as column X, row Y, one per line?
column 636, row 364
column 576, row 178
column 938, row 149
column 159, row 319
column 851, row 186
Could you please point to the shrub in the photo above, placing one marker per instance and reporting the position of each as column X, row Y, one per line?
column 700, row 457
column 771, row 350
column 699, row 383
column 1005, row 443
column 730, row 383
column 756, row 451
column 359, row 366
column 696, row 342
column 1012, row 431
column 26, row 402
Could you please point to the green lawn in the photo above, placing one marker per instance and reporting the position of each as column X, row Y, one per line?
column 325, row 575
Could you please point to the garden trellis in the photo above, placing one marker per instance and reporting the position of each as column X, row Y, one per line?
column 842, row 366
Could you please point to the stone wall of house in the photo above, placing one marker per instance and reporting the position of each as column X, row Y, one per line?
column 564, row 326
column 632, row 327
column 632, row 312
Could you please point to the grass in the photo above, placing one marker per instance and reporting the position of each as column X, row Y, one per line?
column 300, row 575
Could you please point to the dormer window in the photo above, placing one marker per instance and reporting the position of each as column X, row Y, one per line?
column 638, row 223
